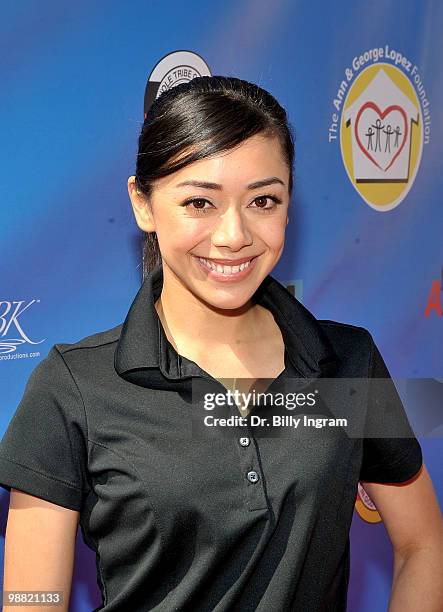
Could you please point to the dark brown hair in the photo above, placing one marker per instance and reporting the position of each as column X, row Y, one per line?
column 203, row 117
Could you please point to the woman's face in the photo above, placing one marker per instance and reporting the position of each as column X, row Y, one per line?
column 228, row 210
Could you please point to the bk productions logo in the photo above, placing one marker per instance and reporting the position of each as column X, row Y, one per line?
column 173, row 69
column 13, row 335
column 382, row 121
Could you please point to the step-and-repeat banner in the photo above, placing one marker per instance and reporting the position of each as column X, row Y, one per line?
column 362, row 86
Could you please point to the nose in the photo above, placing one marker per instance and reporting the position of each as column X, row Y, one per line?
column 231, row 230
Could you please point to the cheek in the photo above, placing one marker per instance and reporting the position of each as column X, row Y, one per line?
column 178, row 234
column 272, row 232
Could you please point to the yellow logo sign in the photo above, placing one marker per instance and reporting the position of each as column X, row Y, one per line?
column 381, row 135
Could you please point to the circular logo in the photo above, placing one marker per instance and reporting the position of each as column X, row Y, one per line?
column 381, row 135
column 365, row 507
column 175, row 68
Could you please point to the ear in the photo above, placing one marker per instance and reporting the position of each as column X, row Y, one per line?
column 141, row 207
column 287, row 220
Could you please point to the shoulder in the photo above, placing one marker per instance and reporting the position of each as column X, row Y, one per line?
column 348, row 341
column 341, row 331
column 91, row 354
column 96, row 340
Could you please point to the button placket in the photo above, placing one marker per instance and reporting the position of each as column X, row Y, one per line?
column 252, row 478
column 249, row 466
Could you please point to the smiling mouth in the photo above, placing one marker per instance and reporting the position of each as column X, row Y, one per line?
column 225, row 269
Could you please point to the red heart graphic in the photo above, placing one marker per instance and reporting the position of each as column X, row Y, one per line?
column 382, row 115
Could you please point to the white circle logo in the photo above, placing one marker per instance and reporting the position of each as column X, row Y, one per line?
column 175, row 68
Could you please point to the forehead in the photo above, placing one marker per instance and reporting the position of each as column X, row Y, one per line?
column 256, row 158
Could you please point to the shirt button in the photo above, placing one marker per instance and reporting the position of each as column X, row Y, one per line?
column 253, row 476
column 244, row 441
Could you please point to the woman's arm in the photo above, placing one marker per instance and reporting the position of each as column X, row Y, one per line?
column 39, row 548
column 414, row 523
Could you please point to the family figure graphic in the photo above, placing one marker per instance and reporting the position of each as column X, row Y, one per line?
column 379, row 127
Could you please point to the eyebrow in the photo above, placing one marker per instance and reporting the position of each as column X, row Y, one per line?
column 206, row 185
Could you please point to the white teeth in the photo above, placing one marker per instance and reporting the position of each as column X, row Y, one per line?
column 222, row 269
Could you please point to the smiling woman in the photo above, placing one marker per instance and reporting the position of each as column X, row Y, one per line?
column 220, row 115
column 231, row 227
column 184, row 516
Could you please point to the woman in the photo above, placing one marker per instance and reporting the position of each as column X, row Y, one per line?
column 182, row 518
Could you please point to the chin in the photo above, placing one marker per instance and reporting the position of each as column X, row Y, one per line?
column 228, row 298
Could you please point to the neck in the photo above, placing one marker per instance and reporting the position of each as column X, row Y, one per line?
column 187, row 318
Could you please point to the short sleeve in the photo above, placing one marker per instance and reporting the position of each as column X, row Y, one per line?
column 44, row 449
column 391, row 452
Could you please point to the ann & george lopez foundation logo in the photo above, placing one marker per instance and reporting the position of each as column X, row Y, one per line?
column 382, row 119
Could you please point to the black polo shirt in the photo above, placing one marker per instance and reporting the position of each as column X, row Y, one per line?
column 183, row 523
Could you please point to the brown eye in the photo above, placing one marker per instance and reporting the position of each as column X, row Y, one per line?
column 263, row 200
column 199, row 203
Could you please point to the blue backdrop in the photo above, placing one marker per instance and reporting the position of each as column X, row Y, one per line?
column 73, row 79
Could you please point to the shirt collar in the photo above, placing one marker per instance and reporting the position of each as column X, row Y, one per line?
column 145, row 356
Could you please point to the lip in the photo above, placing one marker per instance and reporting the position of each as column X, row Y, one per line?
column 219, row 276
column 229, row 262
